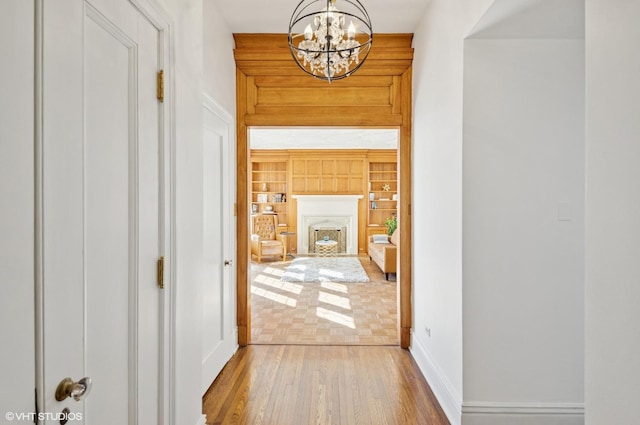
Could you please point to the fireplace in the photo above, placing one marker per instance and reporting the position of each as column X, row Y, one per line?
column 334, row 216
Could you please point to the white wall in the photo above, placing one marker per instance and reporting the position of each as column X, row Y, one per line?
column 613, row 212
column 514, row 272
column 17, row 361
column 523, row 220
column 219, row 64
column 437, row 195
column 523, row 229
column 204, row 64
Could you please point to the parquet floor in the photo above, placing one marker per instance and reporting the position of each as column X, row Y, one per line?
column 322, row 313
column 300, row 385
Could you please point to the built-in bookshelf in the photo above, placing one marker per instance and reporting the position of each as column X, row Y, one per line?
column 383, row 191
column 269, row 188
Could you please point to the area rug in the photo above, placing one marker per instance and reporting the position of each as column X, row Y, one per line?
column 325, row 269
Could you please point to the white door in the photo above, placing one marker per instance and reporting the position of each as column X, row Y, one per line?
column 103, row 223
column 219, row 332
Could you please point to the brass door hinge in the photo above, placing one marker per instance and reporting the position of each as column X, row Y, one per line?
column 161, row 272
column 161, row 85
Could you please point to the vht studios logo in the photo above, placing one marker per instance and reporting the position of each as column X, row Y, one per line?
column 42, row 416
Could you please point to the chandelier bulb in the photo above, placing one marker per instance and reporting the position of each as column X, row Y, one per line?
column 308, row 32
column 351, row 31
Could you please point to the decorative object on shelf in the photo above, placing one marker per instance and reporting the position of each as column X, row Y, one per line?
column 374, row 205
column 372, row 196
column 386, row 187
column 277, row 197
column 264, row 187
column 394, row 197
column 322, row 46
column 262, row 198
column 392, row 224
column 268, row 208
column 254, row 208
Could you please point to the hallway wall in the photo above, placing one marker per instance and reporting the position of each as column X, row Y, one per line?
column 523, row 231
column 500, row 239
column 613, row 212
column 188, row 261
column 219, row 64
column 437, row 196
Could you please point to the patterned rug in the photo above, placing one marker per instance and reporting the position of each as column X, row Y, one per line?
column 325, row 269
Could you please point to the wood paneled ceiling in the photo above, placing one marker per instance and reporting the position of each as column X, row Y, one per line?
column 275, row 86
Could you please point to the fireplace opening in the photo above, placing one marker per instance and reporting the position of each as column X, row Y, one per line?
column 321, row 231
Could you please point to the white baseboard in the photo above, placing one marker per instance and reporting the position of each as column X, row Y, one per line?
column 491, row 413
column 202, row 421
column 484, row 413
column 447, row 396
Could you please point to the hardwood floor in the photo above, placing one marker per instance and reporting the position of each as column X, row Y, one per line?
column 299, row 385
column 322, row 313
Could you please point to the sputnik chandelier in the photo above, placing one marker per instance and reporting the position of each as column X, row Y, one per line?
column 323, row 45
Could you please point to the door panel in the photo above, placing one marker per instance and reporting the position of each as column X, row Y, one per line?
column 102, row 210
column 219, row 334
column 110, row 220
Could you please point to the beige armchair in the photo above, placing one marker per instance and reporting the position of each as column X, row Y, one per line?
column 265, row 240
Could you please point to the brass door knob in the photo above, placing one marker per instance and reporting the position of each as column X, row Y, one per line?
column 76, row 390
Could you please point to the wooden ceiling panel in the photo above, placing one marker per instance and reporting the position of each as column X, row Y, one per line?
column 327, row 116
column 303, row 80
column 329, row 96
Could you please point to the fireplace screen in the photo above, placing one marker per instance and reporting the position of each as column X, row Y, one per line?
column 338, row 234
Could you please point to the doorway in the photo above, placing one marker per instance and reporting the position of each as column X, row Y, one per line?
column 291, row 301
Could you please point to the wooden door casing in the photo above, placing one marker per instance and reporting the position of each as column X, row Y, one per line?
column 272, row 91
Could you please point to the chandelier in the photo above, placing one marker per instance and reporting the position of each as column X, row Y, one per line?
column 323, row 45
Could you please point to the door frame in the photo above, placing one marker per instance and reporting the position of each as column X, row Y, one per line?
column 167, row 168
column 272, row 91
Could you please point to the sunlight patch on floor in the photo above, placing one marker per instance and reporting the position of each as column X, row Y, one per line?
column 278, row 284
column 336, row 287
column 336, row 300
column 341, row 319
column 282, row 299
column 273, row 271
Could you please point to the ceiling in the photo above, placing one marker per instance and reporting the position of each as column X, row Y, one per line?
column 272, row 16
column 322, row 138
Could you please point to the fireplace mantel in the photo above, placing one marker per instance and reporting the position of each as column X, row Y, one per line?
column 327, row 198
